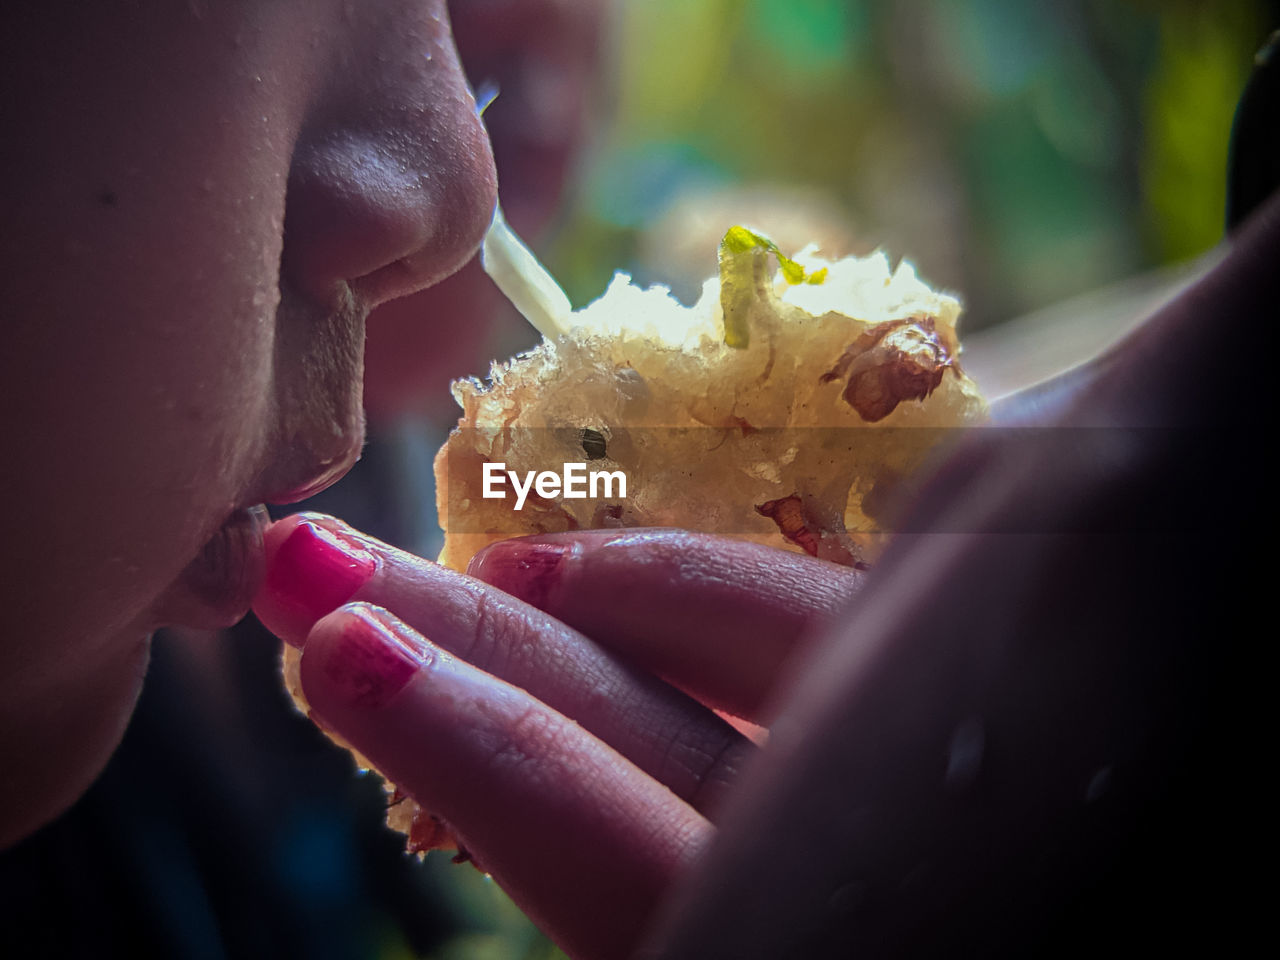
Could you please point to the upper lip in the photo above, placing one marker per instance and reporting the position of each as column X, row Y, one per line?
column 294, row 483
column 314, row 427
column 322, row 479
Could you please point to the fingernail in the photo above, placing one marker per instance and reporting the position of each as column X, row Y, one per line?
column 372, row 660
column 316, row 570
column 526, row 569
column 325, row 521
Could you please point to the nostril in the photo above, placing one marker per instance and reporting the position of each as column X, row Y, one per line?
column 462, row 218
column 350, row 211
column 386, row 214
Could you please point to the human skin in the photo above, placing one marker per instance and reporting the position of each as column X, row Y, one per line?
column 1035, row 726
column 203, row 201
column 541, row 56
column 154, row 386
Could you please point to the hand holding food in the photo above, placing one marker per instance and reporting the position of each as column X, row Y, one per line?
column 545, row 741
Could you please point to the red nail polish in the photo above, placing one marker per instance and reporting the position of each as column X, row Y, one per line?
column 526, row 569
column 315, row 571
column 368, row 664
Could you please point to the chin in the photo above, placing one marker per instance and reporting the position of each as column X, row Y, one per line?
column 55, row 745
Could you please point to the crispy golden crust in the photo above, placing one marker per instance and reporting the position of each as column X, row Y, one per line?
column 767, row 440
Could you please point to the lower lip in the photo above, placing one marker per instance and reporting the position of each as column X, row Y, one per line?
column 219, row 584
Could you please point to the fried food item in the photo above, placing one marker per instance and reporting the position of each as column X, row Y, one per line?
column 786, row 406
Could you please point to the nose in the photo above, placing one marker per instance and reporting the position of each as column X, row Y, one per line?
column 392, row 183
column 391, row 186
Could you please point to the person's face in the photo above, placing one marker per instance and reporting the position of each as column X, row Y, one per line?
column 202, row 201
column 542, row 58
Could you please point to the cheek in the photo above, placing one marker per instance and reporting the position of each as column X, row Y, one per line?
column 135, row 445
column 131, row 440
column 138, row 389
column 136, row 368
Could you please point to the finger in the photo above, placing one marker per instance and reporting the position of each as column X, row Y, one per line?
column 670, row 736
column 719, row 618
column 583, row 841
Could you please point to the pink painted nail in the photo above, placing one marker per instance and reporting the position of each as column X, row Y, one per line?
column 316, row 570
column 526, row 569
column 372, row 659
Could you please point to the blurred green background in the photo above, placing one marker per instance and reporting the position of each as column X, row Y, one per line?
column 1018, row 153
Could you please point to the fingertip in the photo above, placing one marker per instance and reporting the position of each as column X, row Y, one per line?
column 359, row 657
column 580, row 837
column 314, row 564
column 531, row 570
